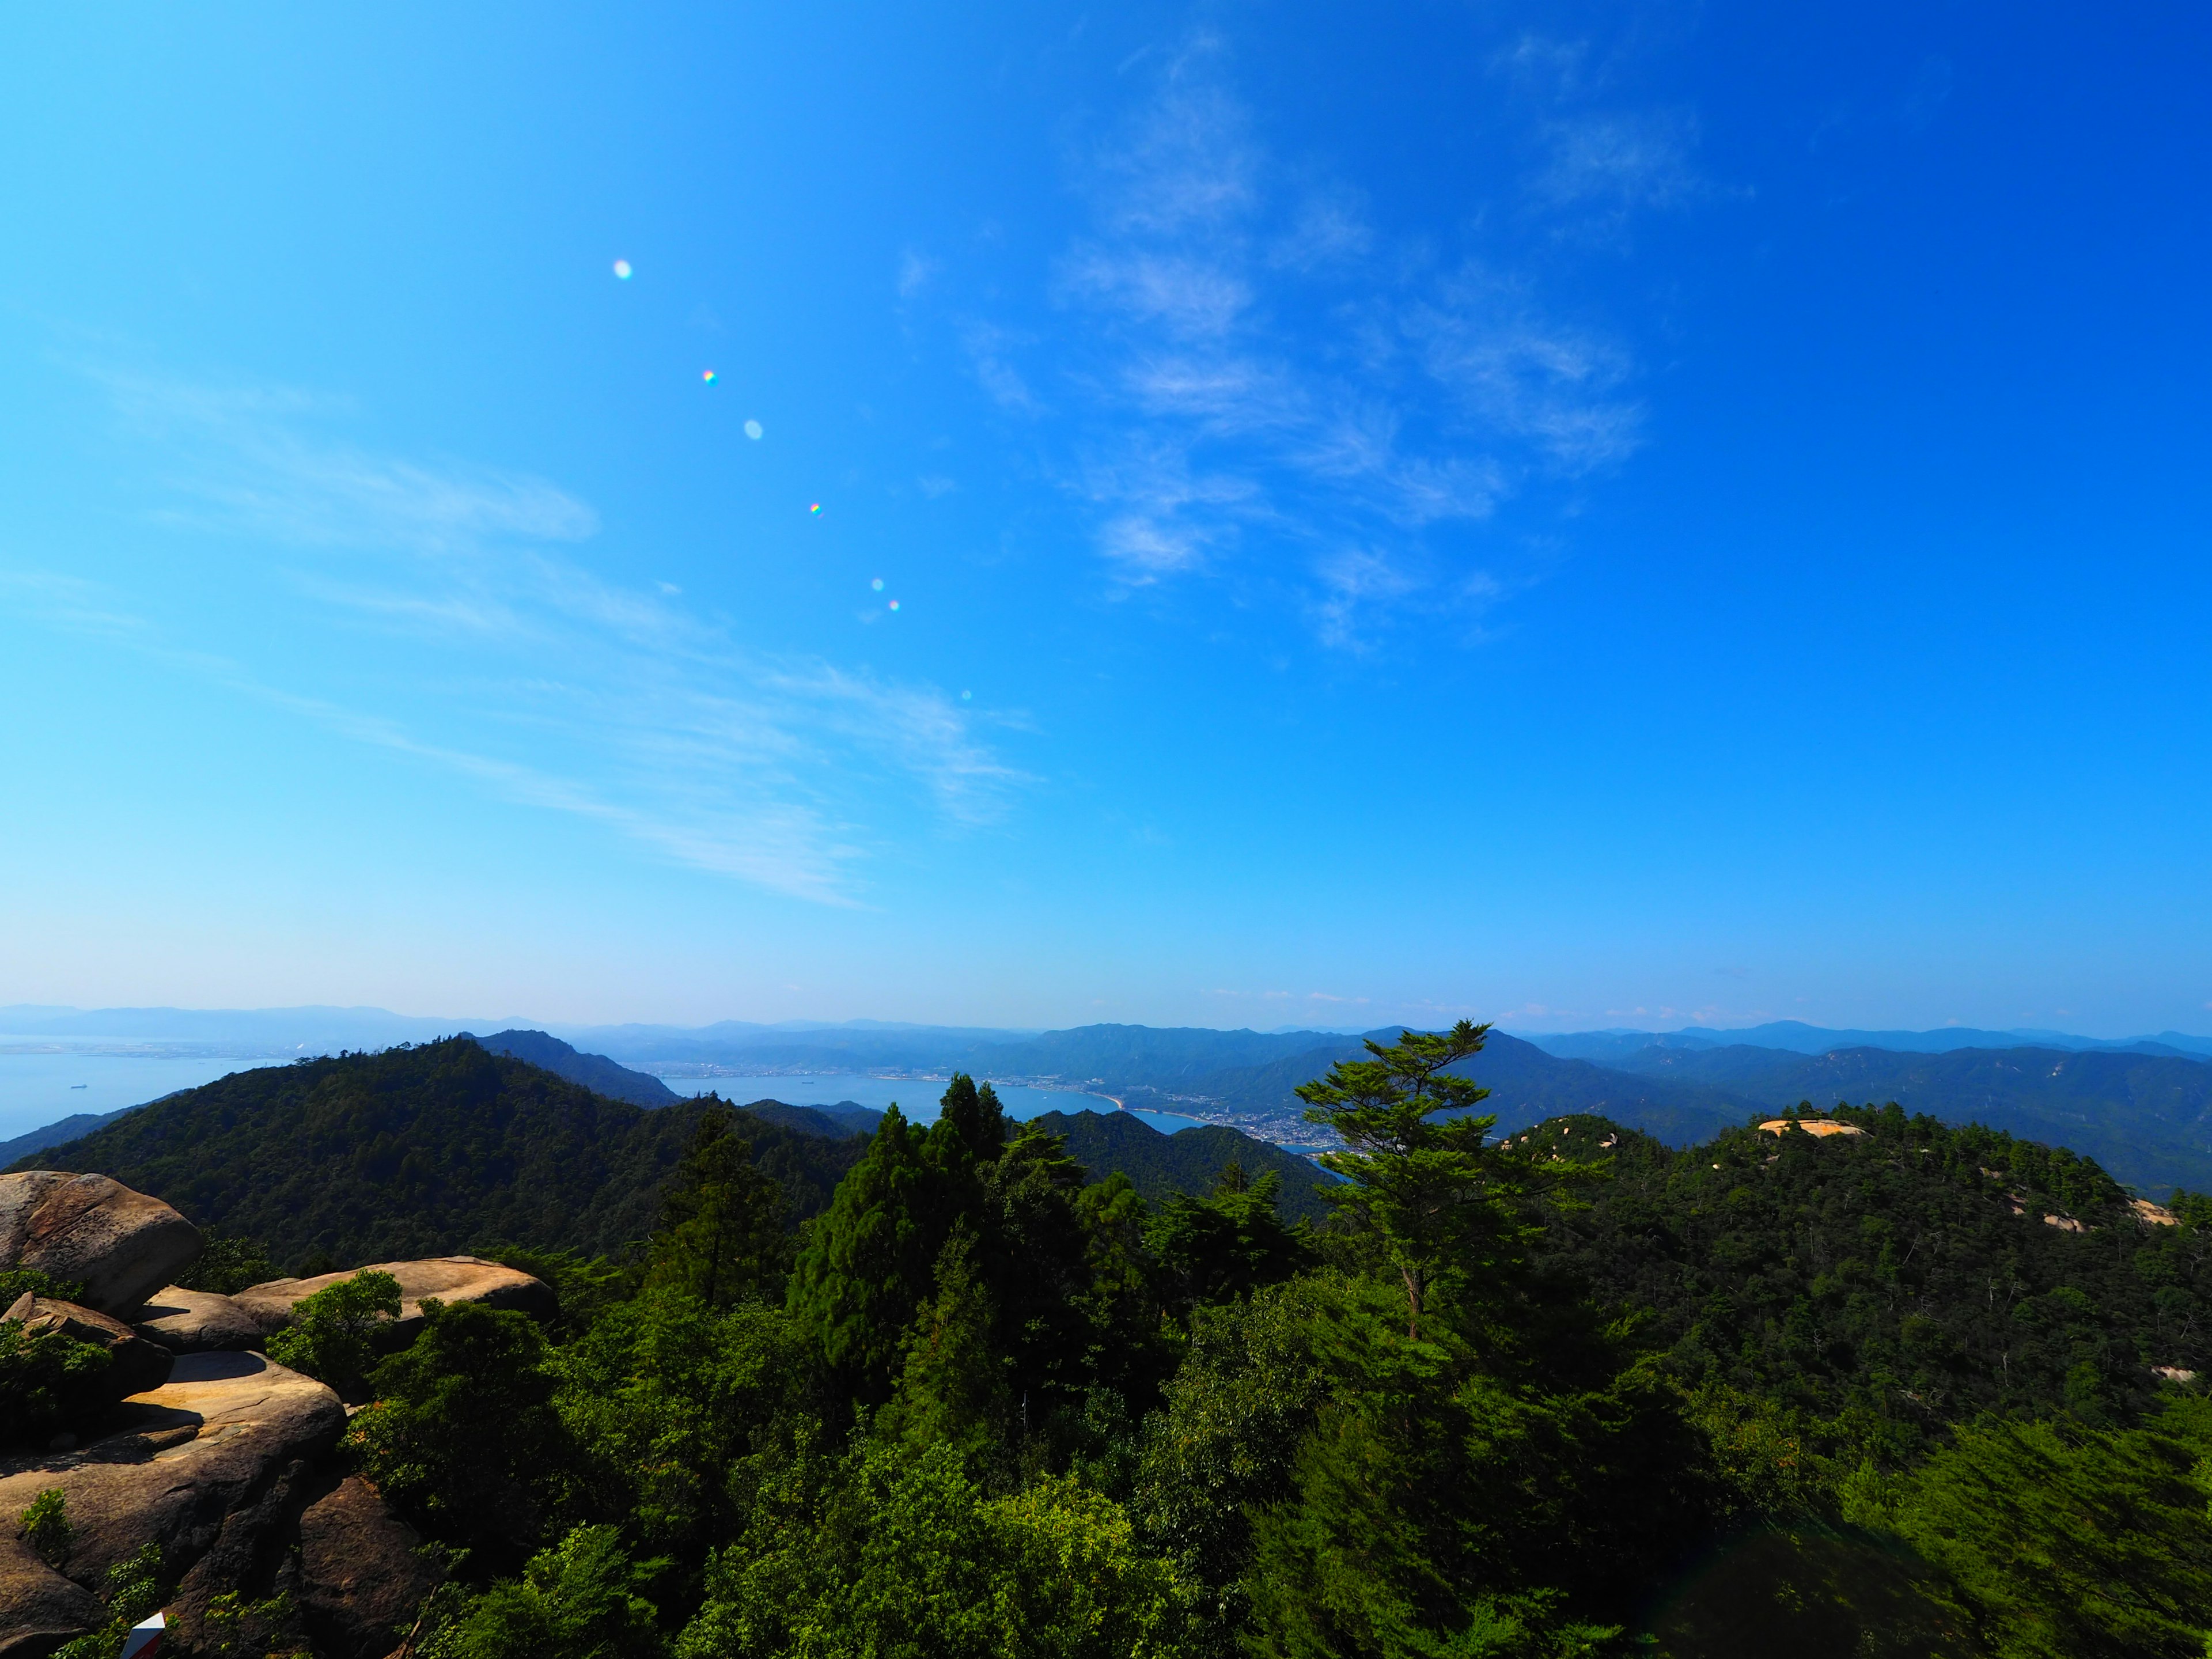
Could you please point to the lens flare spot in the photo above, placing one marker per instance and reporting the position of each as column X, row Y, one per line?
column 877, row 585
column 753, row 430
column 816, row 507
column 965, row 696
column 622, row 269
column 894, row 605
column 708, row 375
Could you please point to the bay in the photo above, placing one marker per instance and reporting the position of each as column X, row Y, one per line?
column 42, row 1082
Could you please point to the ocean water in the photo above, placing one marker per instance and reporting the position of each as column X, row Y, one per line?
column 41, row 1082
column 917, row 1097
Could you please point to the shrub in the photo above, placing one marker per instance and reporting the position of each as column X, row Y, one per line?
column 134, row 1590
column 45, row 1526
column 48, row 1382
column 329, row 1337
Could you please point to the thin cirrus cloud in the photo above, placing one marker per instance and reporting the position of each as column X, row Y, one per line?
column 560, row 690
column 1260, row 385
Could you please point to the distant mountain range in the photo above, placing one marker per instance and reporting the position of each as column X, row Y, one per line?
column 1610, row 1048
column 2142, row 1106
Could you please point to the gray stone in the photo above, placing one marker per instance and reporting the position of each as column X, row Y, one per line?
column 120, row 1245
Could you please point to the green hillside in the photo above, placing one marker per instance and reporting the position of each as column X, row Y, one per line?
column 1888, row 1282
column 420, row 1151
column 2148, row 1118
column 1189, row 1161
column 431, row 1149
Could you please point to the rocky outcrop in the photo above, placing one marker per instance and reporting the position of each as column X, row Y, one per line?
column 212, row 1466
column 360, row 1571
column 133, row 1364
column 447, row 1278
column 196, row 1321
column 120, row 1245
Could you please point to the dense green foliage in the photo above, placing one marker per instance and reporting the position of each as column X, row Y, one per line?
column 332, row 1332
column 1186, row 1162
column 420, row 1152
column 1884, row 1284
column 49, row 1383
column 1564, row 1393
column 227, row 1265
column 2143, row 1116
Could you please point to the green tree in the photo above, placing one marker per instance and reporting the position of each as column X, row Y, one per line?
column 2067, row 1542
column 722, row 1236
column 665, row 1399
column 1450, row 1208
column 464, row 1436
column 901, row 1555
column 953, row 1390
column 583, row 1598
column 227, row 1265
column 868, row 1265
column 1335, row 1486
column 332, row 1334
column 1225, row 1246
column 971, row 1125
column 869, row 1262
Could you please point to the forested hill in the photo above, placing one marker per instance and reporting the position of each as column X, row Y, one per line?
column 420, row 1152
column 2148, row 1118
column 595, row 1071
column 446, row 1146
column 1188, row 1161
column 1882, row 1283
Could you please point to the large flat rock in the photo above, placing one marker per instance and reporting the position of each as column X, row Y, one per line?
column 120, row 1245
column 447, row 1278
column 207, row 1466
column 196, row 1321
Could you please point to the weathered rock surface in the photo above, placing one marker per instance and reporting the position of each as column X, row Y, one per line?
column 359, row 1574
column 209, row 1465
column 133, row 1364
column 120, row 1245
column 196, row 1321
column 447, row 1278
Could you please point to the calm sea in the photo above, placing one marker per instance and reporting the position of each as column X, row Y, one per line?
column 41, row 1082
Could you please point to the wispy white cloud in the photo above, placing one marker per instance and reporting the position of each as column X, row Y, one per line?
column 1258, row 383
column 568, row 691
column 1618, row 162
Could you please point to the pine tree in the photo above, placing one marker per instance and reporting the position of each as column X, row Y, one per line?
column 722, row 1236
column 1449, row 1206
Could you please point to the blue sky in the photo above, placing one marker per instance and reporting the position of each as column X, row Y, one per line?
column 1578, row 516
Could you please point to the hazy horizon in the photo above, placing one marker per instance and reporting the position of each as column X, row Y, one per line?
column 481, row 1025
